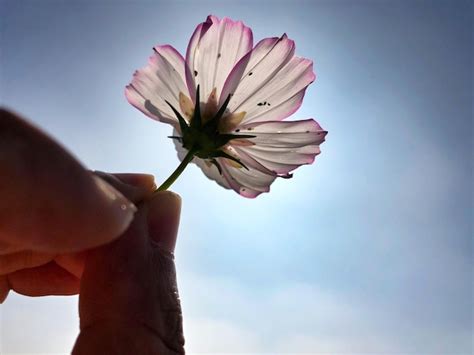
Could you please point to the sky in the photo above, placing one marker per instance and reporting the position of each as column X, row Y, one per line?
column 368, row 250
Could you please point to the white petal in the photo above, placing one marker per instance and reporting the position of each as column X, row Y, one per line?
column 282, row 95
column 283, row 146
column 214, row 49
column 272, row 84
column 248, row 183
column 268, row 57
column 212, row 172
column 250, row 162
column 284, row 134
column 161, row 80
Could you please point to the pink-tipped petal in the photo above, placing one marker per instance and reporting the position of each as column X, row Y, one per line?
column 243, row 67
column 213, row 50
column 250, row 162
column 269, row 57
column 283, row 146
column 284, row 134
column 282, row 95
column 160, row 81
column 198, row 33
column 211, row 171
column 248, row 183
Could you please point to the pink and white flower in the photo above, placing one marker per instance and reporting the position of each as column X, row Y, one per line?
column 236, row 133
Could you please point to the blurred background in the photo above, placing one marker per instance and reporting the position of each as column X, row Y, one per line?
column 369, row 250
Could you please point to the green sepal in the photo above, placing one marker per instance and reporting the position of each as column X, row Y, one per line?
column 182, row 122
column 215, row 120
column 196, row 120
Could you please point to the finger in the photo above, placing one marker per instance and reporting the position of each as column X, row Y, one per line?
column 136, row 187
column 163, row 219
column 115, row 274
column 49, row 202
column 7, row 248
column 144, row 180
column 73, row 263
column 23, row 260
column 45, row 280
column 163, row 222
column 131, row 281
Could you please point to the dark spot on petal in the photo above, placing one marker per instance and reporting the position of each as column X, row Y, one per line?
column 268, row 104
column 249, row 129
column 260, row 104
column 307, row 131
column 250, row 73
column 195, row 73
column 242, row 189
column 237, row 130
column 218, row 55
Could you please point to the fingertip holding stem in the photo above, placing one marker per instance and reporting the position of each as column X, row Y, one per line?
column 146, row 181
column 121, row 209
column 163, row 219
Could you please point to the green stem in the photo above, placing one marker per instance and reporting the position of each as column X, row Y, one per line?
column 172, row 178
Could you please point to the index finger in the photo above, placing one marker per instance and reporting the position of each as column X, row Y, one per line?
column 49, row 201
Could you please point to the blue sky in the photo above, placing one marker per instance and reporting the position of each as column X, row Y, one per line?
column 367, row 250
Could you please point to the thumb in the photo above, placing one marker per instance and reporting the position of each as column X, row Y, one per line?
column 129, row 287
column 163, row 219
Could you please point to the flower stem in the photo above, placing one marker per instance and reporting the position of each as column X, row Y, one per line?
column 172, row 178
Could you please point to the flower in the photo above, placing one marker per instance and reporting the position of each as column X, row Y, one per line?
column 227, row 102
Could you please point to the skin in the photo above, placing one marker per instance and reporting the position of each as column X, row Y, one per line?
column 108, row 238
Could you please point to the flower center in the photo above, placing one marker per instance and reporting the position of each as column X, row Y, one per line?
column 206, row 134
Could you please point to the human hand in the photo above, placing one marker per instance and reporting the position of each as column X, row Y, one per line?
column 50, row 208
column 52, row 213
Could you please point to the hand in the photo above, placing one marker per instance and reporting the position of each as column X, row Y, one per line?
column 54, row 215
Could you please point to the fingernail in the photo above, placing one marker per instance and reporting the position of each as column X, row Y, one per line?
column 123, row 210
column 163, row 219
column 137, row 179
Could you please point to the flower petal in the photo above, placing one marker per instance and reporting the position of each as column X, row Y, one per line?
column 243, row 68
column 284, row 134
column 283, row 146
column 259, row 66
column 272, row 84
column 163, row 79
column 248, row 183
column 213, row 50
column 211, row 171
